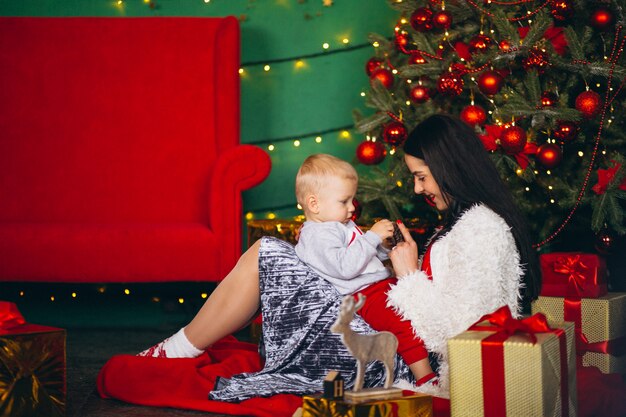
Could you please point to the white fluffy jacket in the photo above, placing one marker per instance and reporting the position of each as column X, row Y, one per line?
column 475, row 268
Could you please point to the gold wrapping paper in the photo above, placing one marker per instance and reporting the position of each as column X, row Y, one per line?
column 32, row 372
column 532, row 374
column 603, row 319
column 417, row 405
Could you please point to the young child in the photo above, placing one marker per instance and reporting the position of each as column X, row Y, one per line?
column 333, row 246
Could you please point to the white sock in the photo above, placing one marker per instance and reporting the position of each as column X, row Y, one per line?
column 175, row 346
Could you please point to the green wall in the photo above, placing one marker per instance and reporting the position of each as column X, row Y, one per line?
column 290, row 101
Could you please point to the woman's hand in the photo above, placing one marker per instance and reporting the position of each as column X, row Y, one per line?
column 404, row 255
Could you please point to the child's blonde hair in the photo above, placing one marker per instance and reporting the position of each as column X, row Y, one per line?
column 316, row 170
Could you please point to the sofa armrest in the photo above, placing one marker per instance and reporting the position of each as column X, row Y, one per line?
column 236, row 170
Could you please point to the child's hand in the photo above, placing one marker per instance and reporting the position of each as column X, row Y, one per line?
column 383, row 228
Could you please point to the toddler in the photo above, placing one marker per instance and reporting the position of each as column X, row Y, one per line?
column 333, row 246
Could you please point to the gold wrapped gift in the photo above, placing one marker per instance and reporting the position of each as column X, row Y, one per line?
column 414, row 405
column 603, row 322
column 32, row 371
column 531, row 377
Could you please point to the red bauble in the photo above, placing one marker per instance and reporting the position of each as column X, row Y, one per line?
column 474, row 115
column 602, row 19
column 394, row 133
column 416, row 59
column 513, row 139
column 357, row 210
column 372, row 65
column 536, row 59
column 371, row 153
column 505, row 46
column 421, row 19
column 549, row 155
column 604, row 242
column 450, row 83
column 384, row 76
column 402, row 42
column 442, row 19
column 565, row 131
column 561, row 9
column 549, row 99
column 479, row 43
column 419, row 94
column 588, row 103
column 490, row 82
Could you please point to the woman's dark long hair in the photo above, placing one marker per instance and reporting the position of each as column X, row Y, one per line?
column 467, row 176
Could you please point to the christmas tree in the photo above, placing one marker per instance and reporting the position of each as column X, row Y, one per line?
column 540, row 81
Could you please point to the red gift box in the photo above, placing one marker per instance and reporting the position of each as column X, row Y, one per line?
column 32, row 366
column 572, row 274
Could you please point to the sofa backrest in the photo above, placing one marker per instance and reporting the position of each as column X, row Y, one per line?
column 114, row 119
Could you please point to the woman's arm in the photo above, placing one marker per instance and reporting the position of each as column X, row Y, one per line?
column 475, row 270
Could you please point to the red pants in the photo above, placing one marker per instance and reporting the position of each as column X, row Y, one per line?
column 380, row 317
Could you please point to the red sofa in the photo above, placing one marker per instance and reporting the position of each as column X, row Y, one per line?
column 119, row 149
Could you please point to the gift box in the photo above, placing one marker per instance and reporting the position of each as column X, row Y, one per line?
column 32, row 367
column 601, row 326
column 284, row 229
column 570, row 274
column 413, row 405
column 503, row 366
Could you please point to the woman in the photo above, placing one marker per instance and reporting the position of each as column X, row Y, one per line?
column 481, row 260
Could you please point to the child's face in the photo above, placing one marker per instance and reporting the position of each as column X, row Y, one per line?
column 425, row 183
column 335, row 200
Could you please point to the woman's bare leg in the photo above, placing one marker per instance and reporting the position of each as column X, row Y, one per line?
column 231, row 305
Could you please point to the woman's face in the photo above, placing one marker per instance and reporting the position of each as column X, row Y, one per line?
column 425, row 183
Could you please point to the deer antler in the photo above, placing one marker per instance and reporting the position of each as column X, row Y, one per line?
column 360, row 301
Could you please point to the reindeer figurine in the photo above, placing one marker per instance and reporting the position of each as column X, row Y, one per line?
column 380, row 346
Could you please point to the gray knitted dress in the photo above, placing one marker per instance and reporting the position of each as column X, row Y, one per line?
column 298, row 309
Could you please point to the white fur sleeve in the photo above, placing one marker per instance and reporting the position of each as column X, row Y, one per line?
column 475, row 270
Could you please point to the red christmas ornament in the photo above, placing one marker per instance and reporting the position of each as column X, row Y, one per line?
column 372, row 65
column 549, row 99
column 588, row 103
column 416, row 58
column 357, row 210
column 505, row 46
column 479, row 43
column 419, row 94
column 536, row 59
column 602, row 19
column 422, row 19
column 474, row 115
column 490, row 82
column 442, row 19
column 513, row 139
column 604, row 242
column 384, row 76
column 371, row 153
column 561, row 10
column 402, row 42
column 394, row 133
column 549, row 155
column 565, row 131
column 450, row 83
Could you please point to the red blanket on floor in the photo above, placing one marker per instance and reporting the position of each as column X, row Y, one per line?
column 185, row 383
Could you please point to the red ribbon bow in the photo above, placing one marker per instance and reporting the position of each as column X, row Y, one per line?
column 574, row 268
column 10, row 316
column 492, row 356
column 503, row 323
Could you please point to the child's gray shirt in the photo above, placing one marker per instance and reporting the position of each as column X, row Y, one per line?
column 342, row 254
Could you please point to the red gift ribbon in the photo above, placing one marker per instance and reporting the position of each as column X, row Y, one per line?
column 574, row 268
column 492, row 354
column 10, row 316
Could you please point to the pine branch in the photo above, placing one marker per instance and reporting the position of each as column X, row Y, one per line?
column 538, row 28
column 370, row 123
column 381, row 97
